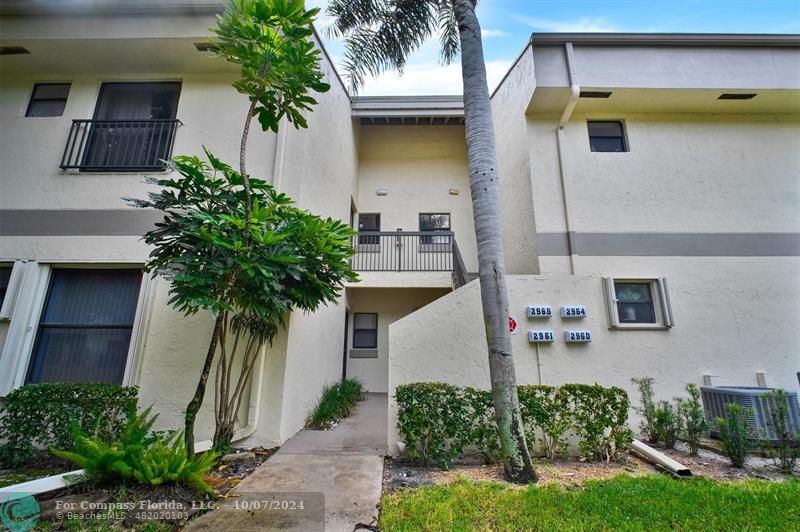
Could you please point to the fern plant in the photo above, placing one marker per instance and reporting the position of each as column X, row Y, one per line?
column 139, row 455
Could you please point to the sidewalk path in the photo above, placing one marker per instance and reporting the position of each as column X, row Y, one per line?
column 345, row 465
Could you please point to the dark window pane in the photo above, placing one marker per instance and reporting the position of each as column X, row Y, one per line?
column 48, row 99
column 5, row 276
column 365, row 331
column 47, row 108
column 86, row 326
column 93, row 297
column 606, row 136
column 607, row 144
column 605, row 129
column 635, row 302
column 80, row 355
column 138, row 101
column 365, row 321
column 633, row 292
column 51, row 91
column 434, row 222
column 369, row 222
column 636, row 312
column 365, row 339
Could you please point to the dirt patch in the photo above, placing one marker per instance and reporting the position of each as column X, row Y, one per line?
column 224, row 477
column 573, row 473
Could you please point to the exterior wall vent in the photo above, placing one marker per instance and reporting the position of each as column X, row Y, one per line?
column 13, row 50
column 595, row 94
column 716, row 397
column 736, row 96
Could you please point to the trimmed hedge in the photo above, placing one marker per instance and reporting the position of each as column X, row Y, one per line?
column 438, row 421
column 41, row 416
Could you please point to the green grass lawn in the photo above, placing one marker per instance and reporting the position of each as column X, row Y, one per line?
column 647, row 503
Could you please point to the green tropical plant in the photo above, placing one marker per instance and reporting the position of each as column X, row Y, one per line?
column 241, row 243
column 647, row 408
column 379, row 35
column 667, row 424
column 250, row 275
column 139, row 455
column 786, row 450
column 734, row 432
column 693, row 421
column 271, row 41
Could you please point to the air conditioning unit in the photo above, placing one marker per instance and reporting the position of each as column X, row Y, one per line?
column 716, row 397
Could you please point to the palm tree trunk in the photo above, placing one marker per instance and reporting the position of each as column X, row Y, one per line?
column 482, row 156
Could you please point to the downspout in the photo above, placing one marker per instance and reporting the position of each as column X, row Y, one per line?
column 574, row 94
column 253, row 411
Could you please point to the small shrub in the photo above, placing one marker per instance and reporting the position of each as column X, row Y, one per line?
column 548, row 409
column 734, row 433
column 692, row 417
column 482, row 432
column 336, row 402
column 647, row 408
column 40, row 416
column 600, row 418
column 667, row 424
column 139, row 455
column 434, row 421
column 786, row 451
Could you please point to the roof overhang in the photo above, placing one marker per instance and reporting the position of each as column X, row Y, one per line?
column 668, row 39
column 409, row 110
column 109, row 7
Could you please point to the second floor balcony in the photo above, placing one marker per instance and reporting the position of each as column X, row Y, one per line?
column 119, row 145
column 407, row 251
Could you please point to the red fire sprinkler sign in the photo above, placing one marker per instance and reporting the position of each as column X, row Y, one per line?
column 512, row 325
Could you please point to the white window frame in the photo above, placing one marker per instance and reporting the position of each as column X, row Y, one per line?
column 15, row 357
column 661, row 303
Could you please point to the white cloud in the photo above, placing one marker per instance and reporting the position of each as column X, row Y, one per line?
column 581, row 25
column 488, row 34
column 430, row 79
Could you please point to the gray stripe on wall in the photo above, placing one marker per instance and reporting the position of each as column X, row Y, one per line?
column 77, row 222
column 671, row 244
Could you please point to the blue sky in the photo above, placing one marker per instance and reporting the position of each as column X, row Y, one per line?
column 507, row 24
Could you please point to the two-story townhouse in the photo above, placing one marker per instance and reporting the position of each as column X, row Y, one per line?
column 641, row 182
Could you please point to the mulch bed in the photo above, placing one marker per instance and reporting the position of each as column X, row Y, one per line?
column 222, row 478
column 400, row 474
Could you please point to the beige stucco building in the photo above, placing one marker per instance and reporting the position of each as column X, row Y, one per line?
column 650, row 185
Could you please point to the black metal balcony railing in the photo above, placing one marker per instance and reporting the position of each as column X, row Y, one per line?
column 119, row 145
column 400, row 251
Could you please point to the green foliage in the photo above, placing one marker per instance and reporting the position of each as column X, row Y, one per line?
column 692, row 418
column 734, row 433
column 548, row 409
column 647, row 409
column 434, row 421
column 667, row 424
column 336, row 402
column 438, row 421
column 600, row 418
column 787, row 449
column 271, row 41
column 380, row 35
column 40, row 416
column 287, row 257
column 139, row 455
column 653, row 502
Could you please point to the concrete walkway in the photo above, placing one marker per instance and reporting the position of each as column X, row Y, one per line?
column 318, row 480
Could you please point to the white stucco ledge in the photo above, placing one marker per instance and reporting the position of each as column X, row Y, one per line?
column 403, row 280
column 46, row 484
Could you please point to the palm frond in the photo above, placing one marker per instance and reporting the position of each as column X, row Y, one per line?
column 379, row 35
column 449, row 37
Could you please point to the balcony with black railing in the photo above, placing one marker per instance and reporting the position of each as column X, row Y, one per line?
column 119, row 145
column 401, row 251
